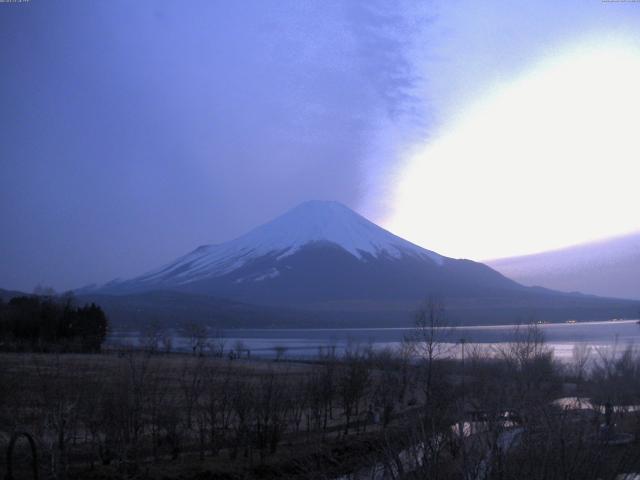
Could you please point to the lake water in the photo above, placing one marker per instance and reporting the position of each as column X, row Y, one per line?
column 306, row 343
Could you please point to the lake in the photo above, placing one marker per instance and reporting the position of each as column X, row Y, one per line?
column 306, row 343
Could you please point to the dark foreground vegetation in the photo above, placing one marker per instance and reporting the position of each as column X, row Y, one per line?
column 49, row 323
column 412, row 413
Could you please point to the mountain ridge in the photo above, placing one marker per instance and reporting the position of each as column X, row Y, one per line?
column 607, row 267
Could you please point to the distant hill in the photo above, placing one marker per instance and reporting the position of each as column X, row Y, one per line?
column 322, row 264
column 7, row 295
column 609, row 268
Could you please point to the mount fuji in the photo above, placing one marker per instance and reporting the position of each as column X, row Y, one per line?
column 318, row 251
column 323, row 260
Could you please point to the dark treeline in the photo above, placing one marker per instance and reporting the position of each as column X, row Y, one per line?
column 49, row 323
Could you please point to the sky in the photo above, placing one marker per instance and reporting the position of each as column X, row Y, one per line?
column 133, row 132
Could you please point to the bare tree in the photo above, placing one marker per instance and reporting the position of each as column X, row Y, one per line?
column 60, row 391
column 353, row 380
column 239, row 347
column 217, row 343
column 166, row 341
column 243, row 394
column 581, row 355
column 151, row 337
column 196, row 335
column 215, row 405
column 279, row 350
column 270, row 412
column 191, row 386
column 428, row 340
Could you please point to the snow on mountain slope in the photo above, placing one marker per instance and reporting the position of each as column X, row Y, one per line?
column 307, row 224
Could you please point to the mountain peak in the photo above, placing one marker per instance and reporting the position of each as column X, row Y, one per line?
column 330, row 221
column 320, row 204
column 321, row 212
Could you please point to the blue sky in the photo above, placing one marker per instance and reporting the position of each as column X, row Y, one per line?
column 133, row 132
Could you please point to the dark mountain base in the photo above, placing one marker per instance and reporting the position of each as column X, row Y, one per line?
column 173, row 309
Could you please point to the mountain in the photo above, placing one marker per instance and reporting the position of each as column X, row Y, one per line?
column 322, row 261
column 317, row 252
column 608, row 268
column 265, row 252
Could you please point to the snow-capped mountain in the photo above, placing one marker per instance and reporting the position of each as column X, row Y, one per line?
column 608, row 268
column 319, row 251
column 323, row 257
column 308, row 224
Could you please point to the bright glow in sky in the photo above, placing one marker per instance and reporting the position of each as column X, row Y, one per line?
column 549, row 159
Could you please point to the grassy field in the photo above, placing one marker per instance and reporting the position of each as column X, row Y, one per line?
column 100, row 414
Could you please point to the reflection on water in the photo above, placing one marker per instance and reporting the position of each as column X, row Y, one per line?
column 301, row 343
